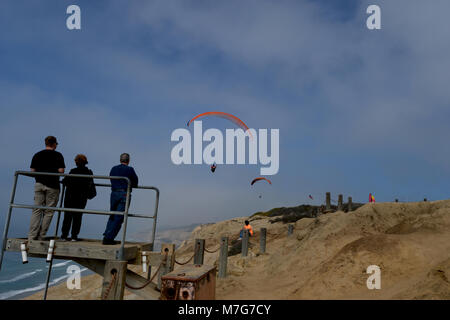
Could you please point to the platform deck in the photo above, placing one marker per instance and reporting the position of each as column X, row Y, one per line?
column 86, row 248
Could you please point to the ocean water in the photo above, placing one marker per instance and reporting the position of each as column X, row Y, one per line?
column 19, row 280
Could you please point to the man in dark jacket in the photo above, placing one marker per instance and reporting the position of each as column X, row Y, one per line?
column 46, row 189
column 118, row 196
column 78, row 191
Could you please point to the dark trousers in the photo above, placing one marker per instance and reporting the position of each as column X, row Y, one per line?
column 118, row 200
column 241, row 234
column 72, row 219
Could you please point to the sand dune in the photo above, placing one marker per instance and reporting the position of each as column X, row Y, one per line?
column 327, row 257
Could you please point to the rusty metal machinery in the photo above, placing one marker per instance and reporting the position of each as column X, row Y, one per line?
column 189, row 282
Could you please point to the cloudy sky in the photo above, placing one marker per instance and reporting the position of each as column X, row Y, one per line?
column 358, row 110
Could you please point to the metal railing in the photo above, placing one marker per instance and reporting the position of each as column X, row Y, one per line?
column 125, row 213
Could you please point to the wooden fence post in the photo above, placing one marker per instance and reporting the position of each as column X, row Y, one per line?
column 350, row 204
column 340, row 200
column 328, row 201
column 199, row 251
column 168, row 266
column 223, row 257
column 114, row 280
column 245, row 243
column 262, row 240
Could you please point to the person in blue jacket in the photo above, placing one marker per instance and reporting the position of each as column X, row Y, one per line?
column 118, row 197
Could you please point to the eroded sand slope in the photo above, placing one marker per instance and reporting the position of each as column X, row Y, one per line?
column 327, row 257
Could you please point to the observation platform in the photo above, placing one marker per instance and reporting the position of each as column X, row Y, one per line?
column 109, row 261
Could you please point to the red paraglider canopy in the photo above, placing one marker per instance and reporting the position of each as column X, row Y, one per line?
column 260, row 178
column 224, row 115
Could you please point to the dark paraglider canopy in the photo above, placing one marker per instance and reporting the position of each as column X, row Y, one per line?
column 259, row 179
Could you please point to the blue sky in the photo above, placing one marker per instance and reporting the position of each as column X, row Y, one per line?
column 359, row 111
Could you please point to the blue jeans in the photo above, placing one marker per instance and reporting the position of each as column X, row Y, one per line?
column 118, row 200
column 241, row 234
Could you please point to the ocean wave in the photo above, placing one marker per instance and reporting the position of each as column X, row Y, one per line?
column 12, row 293
column 21, row 277
column 61, row 264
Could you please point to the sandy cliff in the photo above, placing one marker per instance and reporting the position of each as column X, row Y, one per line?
column 327, row 257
